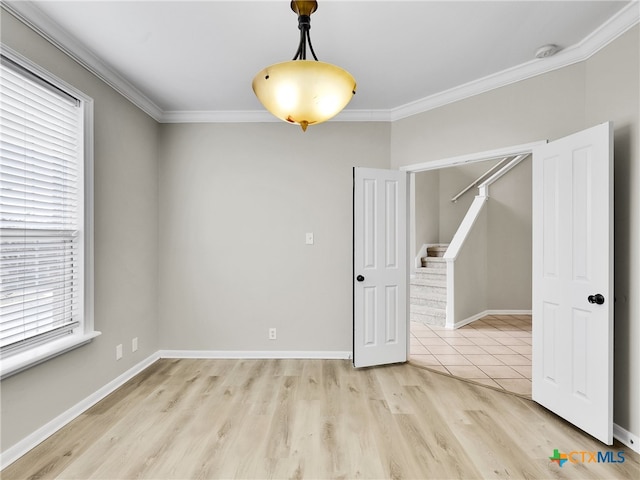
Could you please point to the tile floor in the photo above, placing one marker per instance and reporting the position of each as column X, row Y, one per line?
column 495, row 351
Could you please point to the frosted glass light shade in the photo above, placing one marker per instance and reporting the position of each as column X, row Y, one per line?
column 305, row 92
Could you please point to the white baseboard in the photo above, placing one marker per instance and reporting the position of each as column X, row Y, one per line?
column 14, row 452
column 627, row 438
column 466, row 321
column 249, row 354
column 478, row 316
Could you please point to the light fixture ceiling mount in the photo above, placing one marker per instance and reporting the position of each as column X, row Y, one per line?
column 304, row 91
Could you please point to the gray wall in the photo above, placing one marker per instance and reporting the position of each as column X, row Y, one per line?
column 550, row 106
column 235, row 203
column 126, row 247
column 470, row 285
column 509, row 269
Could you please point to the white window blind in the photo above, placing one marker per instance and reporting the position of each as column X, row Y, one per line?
column 41, row 210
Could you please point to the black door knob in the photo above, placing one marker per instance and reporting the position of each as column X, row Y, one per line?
column 360, row 278
column 598, row 299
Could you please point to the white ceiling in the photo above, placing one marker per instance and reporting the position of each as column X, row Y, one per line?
column 201, row 56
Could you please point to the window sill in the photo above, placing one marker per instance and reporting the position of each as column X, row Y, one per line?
column 23, row 360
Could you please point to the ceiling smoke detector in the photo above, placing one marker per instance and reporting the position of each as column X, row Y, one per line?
column 547, row 50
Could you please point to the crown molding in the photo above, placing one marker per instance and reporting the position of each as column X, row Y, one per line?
column 363, row 116
column 217, row 116
column 33, row 17
column 262, row 116
column 625, row 19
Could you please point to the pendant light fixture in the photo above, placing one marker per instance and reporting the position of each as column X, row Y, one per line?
column 304, row 91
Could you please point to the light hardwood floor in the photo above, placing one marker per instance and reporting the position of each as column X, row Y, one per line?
column 184, row 419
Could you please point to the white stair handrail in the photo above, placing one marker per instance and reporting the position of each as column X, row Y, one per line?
column 478, row 180
column 503, row 171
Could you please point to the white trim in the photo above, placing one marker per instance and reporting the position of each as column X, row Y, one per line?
column 262, row 116
column 606, row 33
column 89, row 214
column 33, row 17
column 363, row 116
column 249, row 116
column 627, row 438
column 478, row 316
column 512, row 151
column 36, row 355
column 598, row 39
column 256, row 354
column 14, row 452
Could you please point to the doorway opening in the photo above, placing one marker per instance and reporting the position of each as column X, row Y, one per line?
column 494, row 347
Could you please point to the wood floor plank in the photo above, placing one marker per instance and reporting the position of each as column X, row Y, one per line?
column 432, row 438
column 316, row 419
column 393, row 391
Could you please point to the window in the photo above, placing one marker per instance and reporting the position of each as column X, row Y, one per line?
column 45, row 216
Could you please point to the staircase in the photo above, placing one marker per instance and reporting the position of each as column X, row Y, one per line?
column 428, row 289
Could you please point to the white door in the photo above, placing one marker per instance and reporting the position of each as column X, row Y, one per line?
column 380, row 274
column 573, row 279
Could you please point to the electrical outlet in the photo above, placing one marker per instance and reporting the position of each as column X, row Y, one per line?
column 272, row 334
column 134, row 344
column 118, row 352
column 309, row 238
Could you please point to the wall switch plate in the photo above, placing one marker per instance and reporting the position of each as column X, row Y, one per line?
column 309, row 238
column 272, row 334
column 118, row 352
column 134, row 344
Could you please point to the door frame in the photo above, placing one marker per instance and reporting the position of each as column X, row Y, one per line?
column 467, row 159
column 525, row 148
